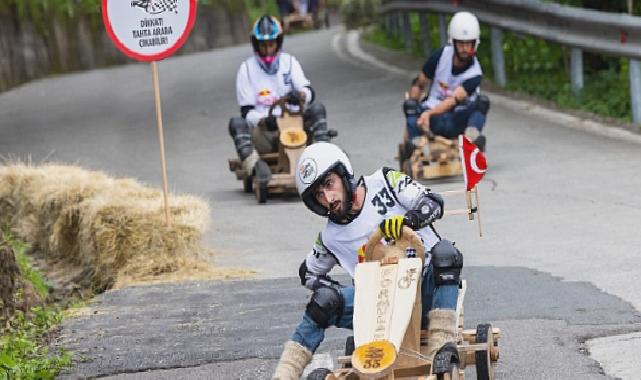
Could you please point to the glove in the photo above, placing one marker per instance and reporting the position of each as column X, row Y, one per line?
column 294, row 97
column 392, row 228
column 431, row 210
column 270, row 123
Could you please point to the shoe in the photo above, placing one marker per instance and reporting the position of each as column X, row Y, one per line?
column 262, row 172
column 480, row 142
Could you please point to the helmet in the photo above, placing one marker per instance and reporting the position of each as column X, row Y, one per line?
column 316, row 161
column 464, row 27
column 266, row 28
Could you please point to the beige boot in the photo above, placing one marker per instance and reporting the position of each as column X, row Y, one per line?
column 472, row 133
column 249, row 162
column 292, row 362
column 442, row 329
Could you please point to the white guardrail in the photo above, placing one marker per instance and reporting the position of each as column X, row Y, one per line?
column 581, row 29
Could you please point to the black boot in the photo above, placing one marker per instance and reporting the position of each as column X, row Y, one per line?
column 262, row 172
column 480, row 142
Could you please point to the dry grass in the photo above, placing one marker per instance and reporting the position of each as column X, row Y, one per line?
column 114, row 229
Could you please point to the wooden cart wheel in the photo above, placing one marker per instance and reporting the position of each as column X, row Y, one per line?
column 349, row 345
column 452, row 374
column 484, row 370
column 260, row 190
column 248, row 184
column 349, row 349
column 319, row 374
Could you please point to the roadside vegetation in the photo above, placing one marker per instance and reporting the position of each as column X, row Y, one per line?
column 534, row 67
column 27, row 319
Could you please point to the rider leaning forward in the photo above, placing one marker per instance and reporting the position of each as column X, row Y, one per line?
column 452, row 77
column 386, row 199
column 261, row 80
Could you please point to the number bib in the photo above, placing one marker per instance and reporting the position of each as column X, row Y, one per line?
column 381, row 202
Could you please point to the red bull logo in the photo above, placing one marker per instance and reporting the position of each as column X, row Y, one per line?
column 265, row 97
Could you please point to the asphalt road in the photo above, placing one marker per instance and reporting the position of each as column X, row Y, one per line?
column 557, row 266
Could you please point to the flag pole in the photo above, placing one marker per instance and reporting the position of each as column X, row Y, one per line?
column 154, row 73
column 478, row 209
column 468, row 200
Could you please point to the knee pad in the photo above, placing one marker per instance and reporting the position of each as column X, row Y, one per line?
column 411, row 107
column 315, row 122
column 238, row 126
column 447, row 262
column 483, row 104
column 239, row 131
column 325, row 303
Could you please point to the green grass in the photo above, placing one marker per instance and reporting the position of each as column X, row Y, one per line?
column 22, row 352
column 24, row 263
column 23, row 345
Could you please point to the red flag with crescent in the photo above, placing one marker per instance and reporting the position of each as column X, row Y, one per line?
column 474, row 163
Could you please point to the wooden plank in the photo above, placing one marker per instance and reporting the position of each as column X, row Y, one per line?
column 365, row 311
column 459, row 301
column 269, row 157
column 436, row 171
column 416, row 370
column 284, row 180
column 457, row 212
column 409, row 272
column 234, row 164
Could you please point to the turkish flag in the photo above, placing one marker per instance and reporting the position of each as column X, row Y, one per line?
column 474, row 163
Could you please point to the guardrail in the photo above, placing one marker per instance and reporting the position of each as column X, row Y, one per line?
column 580, row 29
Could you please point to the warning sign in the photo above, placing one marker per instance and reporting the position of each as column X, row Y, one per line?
column 148, row 30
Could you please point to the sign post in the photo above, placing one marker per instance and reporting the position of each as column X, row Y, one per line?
column 148, row 31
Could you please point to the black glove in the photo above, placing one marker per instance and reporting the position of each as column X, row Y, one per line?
column 294, row 97
column 270, row 123
column 431, row 210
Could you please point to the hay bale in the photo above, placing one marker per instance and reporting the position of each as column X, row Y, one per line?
column 112, row 227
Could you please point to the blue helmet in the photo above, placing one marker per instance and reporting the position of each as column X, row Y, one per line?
column 266, row 28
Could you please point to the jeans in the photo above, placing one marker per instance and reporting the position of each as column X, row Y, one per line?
column 310, row 335
column 449, row 124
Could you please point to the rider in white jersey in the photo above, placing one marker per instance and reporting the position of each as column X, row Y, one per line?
column 452, row 75
column 261, row 80
column 386, row 199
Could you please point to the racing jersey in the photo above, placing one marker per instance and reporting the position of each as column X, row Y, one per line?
column 388, row 193
column 257, row 90
column 445, row 79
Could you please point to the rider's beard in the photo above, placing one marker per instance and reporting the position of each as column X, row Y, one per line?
column 465, row 61
column 342, row 211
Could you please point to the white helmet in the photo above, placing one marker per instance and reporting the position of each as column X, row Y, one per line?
column 464, row 27
column 316, row 161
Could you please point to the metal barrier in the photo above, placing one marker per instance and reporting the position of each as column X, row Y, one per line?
column 580, row 29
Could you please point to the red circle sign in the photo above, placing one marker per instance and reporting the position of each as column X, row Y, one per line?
column 148, row 30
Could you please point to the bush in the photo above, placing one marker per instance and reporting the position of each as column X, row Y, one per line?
column 539, row 68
